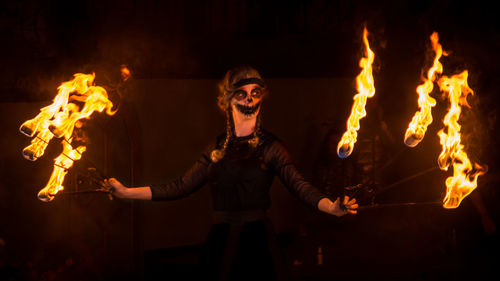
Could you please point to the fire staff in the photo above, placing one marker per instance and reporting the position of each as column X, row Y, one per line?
column 240, row 169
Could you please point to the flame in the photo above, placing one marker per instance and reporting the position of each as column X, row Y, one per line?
column 423, row 118
column 366, row 89
column 61, row 166
column 464, row 179
column 58, row 120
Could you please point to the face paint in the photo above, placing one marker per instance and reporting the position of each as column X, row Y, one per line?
column 247, row 110
column 241, row 94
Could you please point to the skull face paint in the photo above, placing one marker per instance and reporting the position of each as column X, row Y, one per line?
column 247, row 110
column 247, row 100
column 255, row 93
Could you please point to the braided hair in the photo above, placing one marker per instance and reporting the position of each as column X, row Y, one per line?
column 234, row 79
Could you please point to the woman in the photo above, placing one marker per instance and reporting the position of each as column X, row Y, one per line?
column 240, row 170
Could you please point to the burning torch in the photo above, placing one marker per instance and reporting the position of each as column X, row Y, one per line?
column 366, row 89
column 76, row 100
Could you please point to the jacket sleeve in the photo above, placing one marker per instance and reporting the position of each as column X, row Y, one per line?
column 181, row 187
column 280, row 160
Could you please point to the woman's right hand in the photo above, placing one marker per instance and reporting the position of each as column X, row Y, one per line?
column 116, row 188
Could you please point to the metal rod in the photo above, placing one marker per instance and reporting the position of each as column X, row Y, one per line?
column 99, row 190
column 62, row 167
column 387, row 187
column 389, row 162
column 378, row 206
column 103, row 175
column 41, row 139
column 84, row 191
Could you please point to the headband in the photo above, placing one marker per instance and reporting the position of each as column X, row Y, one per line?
column 247, row 81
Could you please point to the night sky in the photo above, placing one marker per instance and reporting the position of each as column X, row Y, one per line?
column 297, row 45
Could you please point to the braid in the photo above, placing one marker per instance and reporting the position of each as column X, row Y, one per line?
column 255, row 140
column 218, row 154
column 229, row 129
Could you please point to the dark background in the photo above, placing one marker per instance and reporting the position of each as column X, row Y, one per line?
column 177, row 51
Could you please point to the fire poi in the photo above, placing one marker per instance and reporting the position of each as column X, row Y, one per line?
column 421, row 120
column 465, row 173
column 76, row 99
column 366, row 89
column 456, row 89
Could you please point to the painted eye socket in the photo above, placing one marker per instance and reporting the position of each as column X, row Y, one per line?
column 256, row 93
column 240, row 95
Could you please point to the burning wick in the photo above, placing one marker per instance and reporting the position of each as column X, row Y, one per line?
column 366, row 89
column 61, row 166
column 58, row 120
column 421, row 120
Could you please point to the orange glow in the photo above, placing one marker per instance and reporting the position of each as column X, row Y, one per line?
column 366, row 89
column 465, row 174
column 421, row 120
column 61, row 166
column 76, row 99
column 125, row 72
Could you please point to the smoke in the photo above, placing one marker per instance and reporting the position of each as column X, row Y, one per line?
column 475, row 134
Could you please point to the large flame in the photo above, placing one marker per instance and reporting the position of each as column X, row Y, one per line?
column 464, row 179
column 421, row 120
column 366, row 89
column 76, row 99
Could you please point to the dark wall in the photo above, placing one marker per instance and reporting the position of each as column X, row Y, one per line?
column 48, row 40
